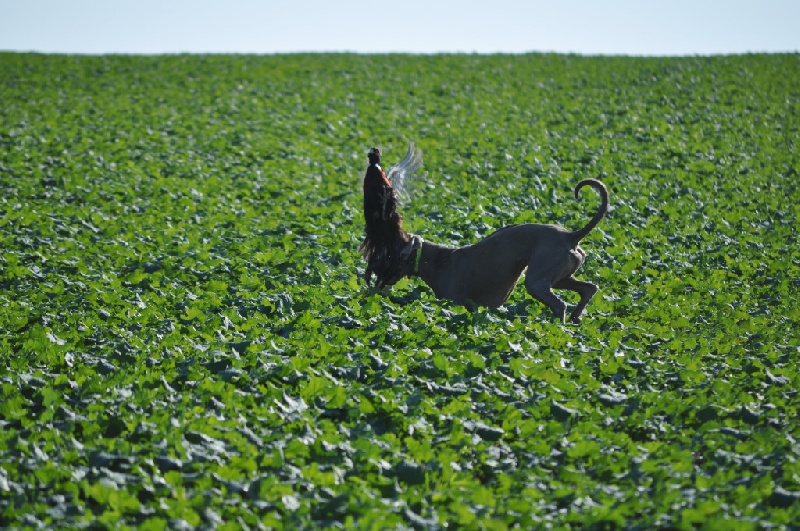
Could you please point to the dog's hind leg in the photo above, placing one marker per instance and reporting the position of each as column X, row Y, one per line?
column 585, row 289
column 541, row 292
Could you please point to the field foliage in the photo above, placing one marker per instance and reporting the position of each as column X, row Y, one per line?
column 186, row 340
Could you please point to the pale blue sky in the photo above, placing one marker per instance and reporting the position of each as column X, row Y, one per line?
column 630, row 27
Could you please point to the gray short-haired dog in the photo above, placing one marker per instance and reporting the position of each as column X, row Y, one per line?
column 485, row 273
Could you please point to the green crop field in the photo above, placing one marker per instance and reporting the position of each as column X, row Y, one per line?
column 186, row 338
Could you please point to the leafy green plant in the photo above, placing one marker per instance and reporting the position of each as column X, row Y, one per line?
column 185, row 338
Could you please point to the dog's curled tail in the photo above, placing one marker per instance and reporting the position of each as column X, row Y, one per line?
column 580, row 234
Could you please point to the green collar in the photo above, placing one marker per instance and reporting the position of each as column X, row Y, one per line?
column 414, row 243
column 416, row 260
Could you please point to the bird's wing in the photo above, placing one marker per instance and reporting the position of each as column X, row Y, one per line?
column 406, row 170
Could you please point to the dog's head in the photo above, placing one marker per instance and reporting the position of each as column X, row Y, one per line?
column 410, row 255
column 391, row 264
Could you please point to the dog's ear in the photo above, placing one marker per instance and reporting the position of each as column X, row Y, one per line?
column 405, row 252
column 414, row 243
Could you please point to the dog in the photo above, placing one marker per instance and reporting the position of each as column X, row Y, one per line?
column 485, row 273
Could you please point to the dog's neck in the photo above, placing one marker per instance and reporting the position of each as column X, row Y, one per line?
column 375, row 165
column 428, row 264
